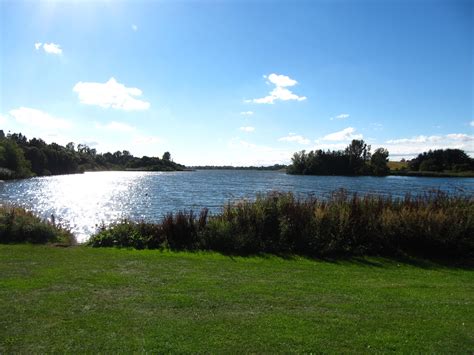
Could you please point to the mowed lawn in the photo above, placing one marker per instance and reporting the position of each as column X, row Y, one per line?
column 81, row 299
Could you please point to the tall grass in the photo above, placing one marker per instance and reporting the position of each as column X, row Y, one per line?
column 20, row 226
column 432, row 225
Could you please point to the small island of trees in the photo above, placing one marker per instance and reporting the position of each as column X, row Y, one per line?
column 356, row 159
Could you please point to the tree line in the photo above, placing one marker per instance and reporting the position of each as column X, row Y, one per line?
column 440, row 160
column 356, row 159
column 21, row 157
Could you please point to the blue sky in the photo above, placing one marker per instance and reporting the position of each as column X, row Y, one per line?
column 239, row 82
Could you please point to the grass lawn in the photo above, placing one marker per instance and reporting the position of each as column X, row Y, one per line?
column 81, row 299
column 394, row 165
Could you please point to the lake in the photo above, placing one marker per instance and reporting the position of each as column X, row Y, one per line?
column 80, row 202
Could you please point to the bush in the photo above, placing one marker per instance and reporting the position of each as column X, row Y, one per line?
column 20, row 226
column 433, row 225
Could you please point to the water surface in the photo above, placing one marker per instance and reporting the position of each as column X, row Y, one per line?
column 82, row 201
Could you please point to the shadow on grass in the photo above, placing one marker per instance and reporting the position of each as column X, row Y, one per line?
column 373, row 261
column 381, row 261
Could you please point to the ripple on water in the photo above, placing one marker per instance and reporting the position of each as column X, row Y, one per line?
column 82, row 201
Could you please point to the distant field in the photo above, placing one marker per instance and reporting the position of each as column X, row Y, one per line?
column 81, row 299
column 394, row 165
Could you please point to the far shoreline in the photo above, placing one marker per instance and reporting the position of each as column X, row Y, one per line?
column 415, row 174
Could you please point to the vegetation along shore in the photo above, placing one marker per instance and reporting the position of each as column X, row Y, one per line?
column 433, row 226
column 21, row 157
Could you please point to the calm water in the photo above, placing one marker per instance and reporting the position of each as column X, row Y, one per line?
column 80, row 202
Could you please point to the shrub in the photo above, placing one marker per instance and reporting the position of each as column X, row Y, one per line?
column 432, row 225
column 20, row 226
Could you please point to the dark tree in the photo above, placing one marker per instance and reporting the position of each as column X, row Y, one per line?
column 378, row 162
column 442, row 160
column 358, row 153
column 13, row 159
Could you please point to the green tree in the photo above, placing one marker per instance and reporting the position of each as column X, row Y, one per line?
column 358, row 153
column 13, row 158
column 38, row 160
column 378, row 162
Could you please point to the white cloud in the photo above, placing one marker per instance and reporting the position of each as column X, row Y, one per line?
column 135, row 28
column 52, row 48
column 472, row 123
column 281, row 80
column 410, row 147
column 244, row 153
column 247, row 129
column 460, row 137
column 345, row 135
column 116, row 126
column 416, row 139
column 247, row 113
column 342, row 116
column 36, row 118
column 292, row 137
column 110, row 94
column 280, row 92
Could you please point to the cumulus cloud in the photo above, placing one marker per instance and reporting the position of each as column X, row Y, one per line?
column 346, row 134
column 281, row 80
column 410, row 147
column 460, row 137
column 292, row 137
column 342, row 116
column 241, row 152
column 416, row 139
column 51, row 48
column 280, row 92
column 247, row 129
column 110, row 94
column 247, row 113
column 36, row 118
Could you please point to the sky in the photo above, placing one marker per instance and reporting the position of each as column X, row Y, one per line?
column 239, row 82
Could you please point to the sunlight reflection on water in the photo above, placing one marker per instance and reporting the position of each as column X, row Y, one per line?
column 80, row 202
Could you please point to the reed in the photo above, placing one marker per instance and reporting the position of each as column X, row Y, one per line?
column 434, row 225
column 20, row 226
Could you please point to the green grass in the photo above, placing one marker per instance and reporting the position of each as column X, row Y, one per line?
column 397, row 165
column 81, row 299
